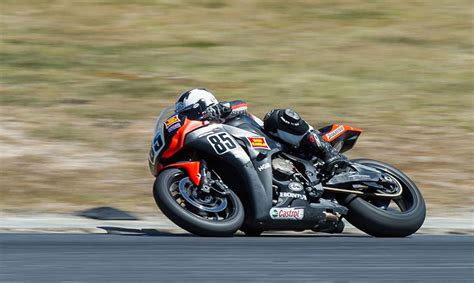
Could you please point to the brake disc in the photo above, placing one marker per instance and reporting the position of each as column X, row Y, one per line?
column 185, row 186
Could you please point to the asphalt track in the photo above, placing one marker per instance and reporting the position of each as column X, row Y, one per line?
column 161, row 257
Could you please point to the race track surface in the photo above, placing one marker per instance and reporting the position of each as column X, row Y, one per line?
column 185, row 258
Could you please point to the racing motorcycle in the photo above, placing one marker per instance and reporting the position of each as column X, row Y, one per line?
column 214, row 178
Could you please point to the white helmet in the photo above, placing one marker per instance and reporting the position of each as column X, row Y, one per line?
column 194, row 96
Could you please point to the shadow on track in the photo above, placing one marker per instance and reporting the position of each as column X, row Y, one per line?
column 140, row 232
column 156, row 233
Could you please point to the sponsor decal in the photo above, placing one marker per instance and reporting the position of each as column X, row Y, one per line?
column 263, row 167
column 292, row 195
column 173, row 120
column 295, row 187
column 174, row 127
column 287, row 213
column 258, row 142
column 334, row 133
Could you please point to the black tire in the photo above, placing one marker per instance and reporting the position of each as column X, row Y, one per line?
column 382, row 223
column 189, row 221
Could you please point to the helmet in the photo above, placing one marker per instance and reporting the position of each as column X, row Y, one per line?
column 199, row 96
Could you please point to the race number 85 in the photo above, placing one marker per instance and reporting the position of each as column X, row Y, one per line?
column 221, row 142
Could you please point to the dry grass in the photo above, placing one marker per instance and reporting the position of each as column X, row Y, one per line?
column 82, row 81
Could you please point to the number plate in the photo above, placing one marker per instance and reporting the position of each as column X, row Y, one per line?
column 221, row 142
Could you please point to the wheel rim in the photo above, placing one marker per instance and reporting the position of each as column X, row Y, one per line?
column 208, row 206
column 206, row 203
column 399, row 205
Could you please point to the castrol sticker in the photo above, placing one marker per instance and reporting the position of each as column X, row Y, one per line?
column 287, row 213
column 258, row 142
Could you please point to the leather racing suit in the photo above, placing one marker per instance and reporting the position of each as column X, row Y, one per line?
column 287, row 126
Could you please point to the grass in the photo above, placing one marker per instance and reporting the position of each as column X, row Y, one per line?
column 92, row 76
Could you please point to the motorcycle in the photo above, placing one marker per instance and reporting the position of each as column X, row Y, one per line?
column 214, row 178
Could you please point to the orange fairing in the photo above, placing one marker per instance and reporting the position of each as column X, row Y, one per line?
column 177, row 141
column 193, row 168
column 338, row 130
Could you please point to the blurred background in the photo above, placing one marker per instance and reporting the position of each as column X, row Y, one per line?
column 83, row 81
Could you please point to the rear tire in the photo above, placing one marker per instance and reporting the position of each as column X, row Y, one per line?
column 382, row 223
column 189, row 221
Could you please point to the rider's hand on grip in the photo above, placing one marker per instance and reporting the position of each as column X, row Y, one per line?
column 211, row 113
column 217, row 112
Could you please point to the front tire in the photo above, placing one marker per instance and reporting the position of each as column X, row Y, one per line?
column 189, row 221
column 379, row 222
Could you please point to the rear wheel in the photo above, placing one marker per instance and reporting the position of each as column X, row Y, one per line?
column 213, row 213
column 382, row 217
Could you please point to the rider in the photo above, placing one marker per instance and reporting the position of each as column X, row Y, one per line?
column 283, row 124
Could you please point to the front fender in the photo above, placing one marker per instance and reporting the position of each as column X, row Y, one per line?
column 193, row 168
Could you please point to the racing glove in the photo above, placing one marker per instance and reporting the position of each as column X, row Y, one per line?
column 217, row 112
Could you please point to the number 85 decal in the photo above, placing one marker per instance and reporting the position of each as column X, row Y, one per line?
column 221, row 142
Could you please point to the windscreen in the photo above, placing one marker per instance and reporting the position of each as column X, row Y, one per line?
column 165, row 114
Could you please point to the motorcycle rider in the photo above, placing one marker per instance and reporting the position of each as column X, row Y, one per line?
column 282, row 124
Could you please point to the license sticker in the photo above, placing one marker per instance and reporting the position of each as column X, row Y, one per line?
column 287, row 213
column 172, row 121
column 258, row 142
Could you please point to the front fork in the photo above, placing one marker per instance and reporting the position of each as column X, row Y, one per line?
column 207, row 183
column 200, row 176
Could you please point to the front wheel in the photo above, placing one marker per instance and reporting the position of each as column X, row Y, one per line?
column 379, row 217
column 214, row 213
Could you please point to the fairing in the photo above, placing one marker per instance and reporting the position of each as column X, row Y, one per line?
column 170, row 132
column 341, row 137
column 158, row 143
column 177, row 140
column 244, row 164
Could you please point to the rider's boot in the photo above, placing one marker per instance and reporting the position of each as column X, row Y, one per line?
column 333, row 160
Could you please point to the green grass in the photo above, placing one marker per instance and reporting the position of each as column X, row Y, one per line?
column 100, row 71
